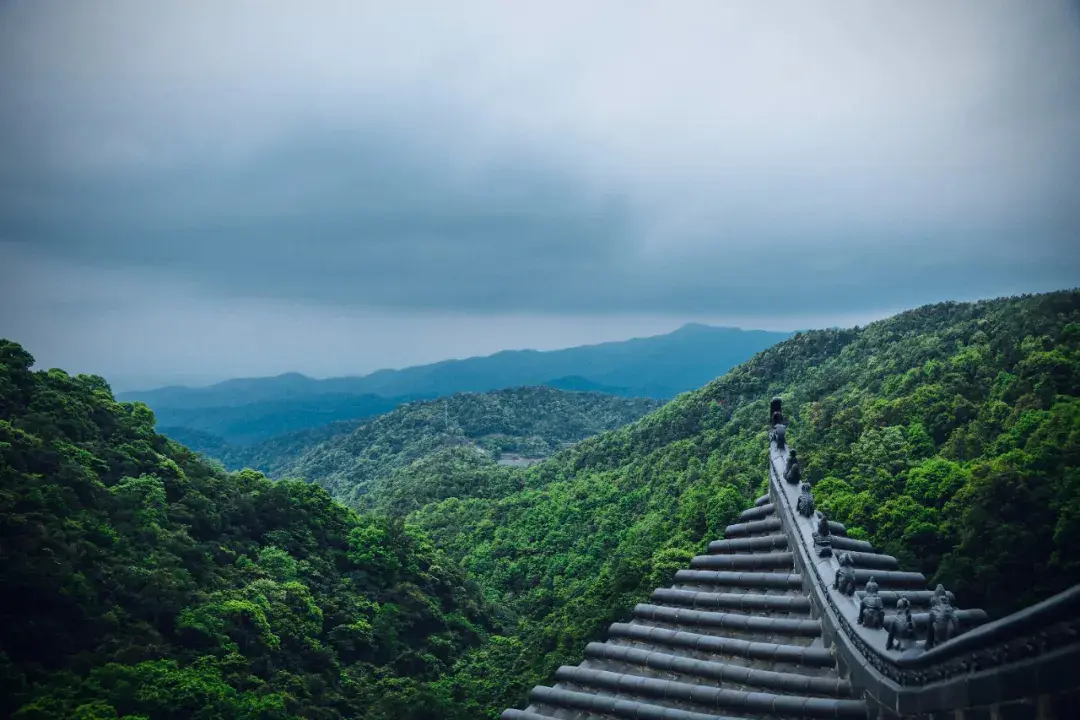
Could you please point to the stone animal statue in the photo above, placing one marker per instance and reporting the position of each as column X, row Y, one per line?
column 823, row 536
column 845, row 575
column 943, row 625
column 871, row 607
column 793, row 471
column 778, row 435
column 823, row 528
column 939, row 593
column 805, row 504
column 902, row 627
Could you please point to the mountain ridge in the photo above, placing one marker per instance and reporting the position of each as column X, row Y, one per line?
column 473, row 373
column 532, row 421
column 947, row 435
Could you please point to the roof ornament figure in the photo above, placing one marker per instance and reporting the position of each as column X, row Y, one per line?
column 793, row 471
column 844, row 581
column 805, row 504
column 872, row 607
column 939, row 593
column 823, row 536
column 777, row 429
column 778, row 435
column 943, row 625
column 902, row 627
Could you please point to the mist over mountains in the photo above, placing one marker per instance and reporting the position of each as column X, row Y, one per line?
column 251, row 410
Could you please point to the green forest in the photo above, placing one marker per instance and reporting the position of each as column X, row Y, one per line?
column 480, row 427
column 412, row 577
column 141, row 582
column 948, row 435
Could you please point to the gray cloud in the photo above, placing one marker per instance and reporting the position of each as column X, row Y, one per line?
column 144, row 327
column 618, row 159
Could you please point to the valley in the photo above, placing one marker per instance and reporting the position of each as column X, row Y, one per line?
column 505, row 428
column 539, row 361
column 413, row 571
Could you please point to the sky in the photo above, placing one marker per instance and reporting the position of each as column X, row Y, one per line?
column 194, row 190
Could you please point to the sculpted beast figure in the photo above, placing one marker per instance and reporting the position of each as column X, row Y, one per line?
column 939, row 593
column 793, row 471
column 871, row 607
column 805, row 504
column 823, row 528
column 778, row 435
column 776, row 407
column 943, row 625
column 902, row 627
column 845, row 575
column 823, row 536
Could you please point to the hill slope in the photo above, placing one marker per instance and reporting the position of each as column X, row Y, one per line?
column 140, row 582
column 948, row 435
column 250, row 410
column 483, row 427
column 269, row 456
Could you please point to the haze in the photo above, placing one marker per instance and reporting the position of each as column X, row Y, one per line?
column 202, row 189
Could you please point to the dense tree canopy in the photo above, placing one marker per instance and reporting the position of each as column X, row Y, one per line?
column 531, row 421
column 270, row 456
column 948, row 435
column 140, row 582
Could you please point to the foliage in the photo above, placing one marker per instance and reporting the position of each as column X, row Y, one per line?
column 948, row 436
column 270, row 456
column 457, row 442
column 140, row 582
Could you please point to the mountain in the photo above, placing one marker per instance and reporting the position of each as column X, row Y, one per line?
column 250, row 410
column 512, row 427
column 949, row 436
column 240, row 391
column 486, row 428
column 259, row 421
column 659, row 367
column 140, row 582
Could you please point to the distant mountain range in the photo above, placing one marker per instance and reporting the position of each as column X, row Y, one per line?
column 251, row 410
column 254, row 422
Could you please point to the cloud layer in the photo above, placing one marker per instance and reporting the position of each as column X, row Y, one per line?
column 609, row 158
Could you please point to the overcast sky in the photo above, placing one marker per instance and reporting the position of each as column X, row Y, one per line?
column 199, row 189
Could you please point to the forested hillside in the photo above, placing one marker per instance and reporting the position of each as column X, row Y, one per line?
column 453, row 435
column 140, row 582
column 528, row 422
column 948, row 435
column 268, row 456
